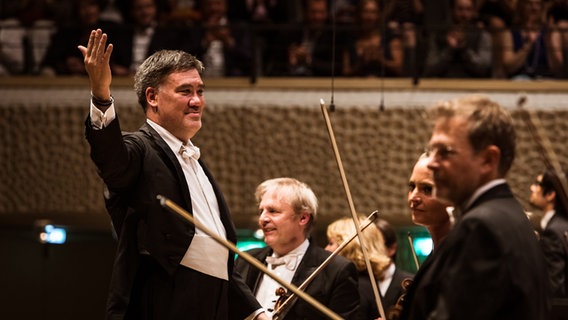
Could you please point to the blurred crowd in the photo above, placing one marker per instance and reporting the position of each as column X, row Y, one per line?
column 509, row 39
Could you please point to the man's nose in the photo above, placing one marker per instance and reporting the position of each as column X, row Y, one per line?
column 262, row 217
column 194, row 101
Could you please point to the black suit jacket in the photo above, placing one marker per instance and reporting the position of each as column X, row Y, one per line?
column 395, row 289
column 555, row 247
column 137, row 167
column 368, row 309
column 335, row 286
column 489, row 267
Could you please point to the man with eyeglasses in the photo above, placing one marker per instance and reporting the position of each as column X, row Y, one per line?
column 490, row 265
column 547, row 196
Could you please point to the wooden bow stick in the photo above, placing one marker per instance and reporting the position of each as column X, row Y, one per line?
column 172, row 206
column 283, row 309
column 411, row 243
column 352, row 208
column 545, row 147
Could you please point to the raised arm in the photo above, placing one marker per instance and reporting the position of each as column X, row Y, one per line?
column 96, row 57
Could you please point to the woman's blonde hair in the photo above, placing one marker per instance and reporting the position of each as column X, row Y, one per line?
column 342, row 229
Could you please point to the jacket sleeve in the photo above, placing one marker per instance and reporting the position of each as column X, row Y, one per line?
column 242, row 301
column 344, row 299
column 555, row 256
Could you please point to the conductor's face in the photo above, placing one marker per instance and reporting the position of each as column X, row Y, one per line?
column 177, row 105
column 283, row 229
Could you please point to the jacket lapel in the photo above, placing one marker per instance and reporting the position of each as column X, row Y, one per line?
column 254, row 275
column 306, row 267
column 171, row 160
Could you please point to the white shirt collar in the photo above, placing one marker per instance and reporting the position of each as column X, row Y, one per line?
column 481, row 190
column 174, row 143
column 298, row 251
column 546, row 219
column 385, row 283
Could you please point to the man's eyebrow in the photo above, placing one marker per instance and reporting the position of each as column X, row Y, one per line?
column 189, row 85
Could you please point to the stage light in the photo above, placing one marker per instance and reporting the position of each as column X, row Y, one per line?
column 51, row 234
column 423, row 246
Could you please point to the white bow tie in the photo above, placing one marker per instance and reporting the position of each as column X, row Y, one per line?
column 189, row 152
column 289, row 261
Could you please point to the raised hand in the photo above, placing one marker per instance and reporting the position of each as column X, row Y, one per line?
column 97, row 64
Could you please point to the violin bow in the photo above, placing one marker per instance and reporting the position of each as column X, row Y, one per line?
column 544, row 145
column 411, row 243
column 352, row 207
column 283, row 309
column 173, row 207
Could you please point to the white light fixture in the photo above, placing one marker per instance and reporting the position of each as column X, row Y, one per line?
column 52, row 234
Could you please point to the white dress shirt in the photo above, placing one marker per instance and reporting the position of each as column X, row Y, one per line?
column 266, row 292
column 546, row 219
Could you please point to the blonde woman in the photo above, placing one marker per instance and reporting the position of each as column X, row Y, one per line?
column 337, row 233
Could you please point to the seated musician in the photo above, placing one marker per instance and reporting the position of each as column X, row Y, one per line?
column 287, row 210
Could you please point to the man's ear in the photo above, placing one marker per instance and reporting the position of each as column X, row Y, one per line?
column 151, row 98
column 491, row 156
column 550, row 196
column 305, row 218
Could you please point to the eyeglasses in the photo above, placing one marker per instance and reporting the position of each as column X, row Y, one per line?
column 440, row 151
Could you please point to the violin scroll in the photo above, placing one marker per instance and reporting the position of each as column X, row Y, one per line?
column 395, row 310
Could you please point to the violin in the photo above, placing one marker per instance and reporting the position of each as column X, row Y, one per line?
column 282, row 295
column 394, row 311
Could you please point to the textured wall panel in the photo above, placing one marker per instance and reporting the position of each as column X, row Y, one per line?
column 46, row 172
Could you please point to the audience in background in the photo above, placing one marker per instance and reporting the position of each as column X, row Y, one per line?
column 526, row 48
column 266, row 19
column 225, row 45
column 260, row 12
column 373, row 53
column 62, row 56
column 497, row 17
column 306, row 49
column 529, row 38
column 344, row 12
column 26, row 28
column 142, row 35
column 404, row 13
column 405, row 18
column 496, row 14
column 557, row 22
column 111, row 11
column 181, row 12
column 12, row 33
column 463, row 50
